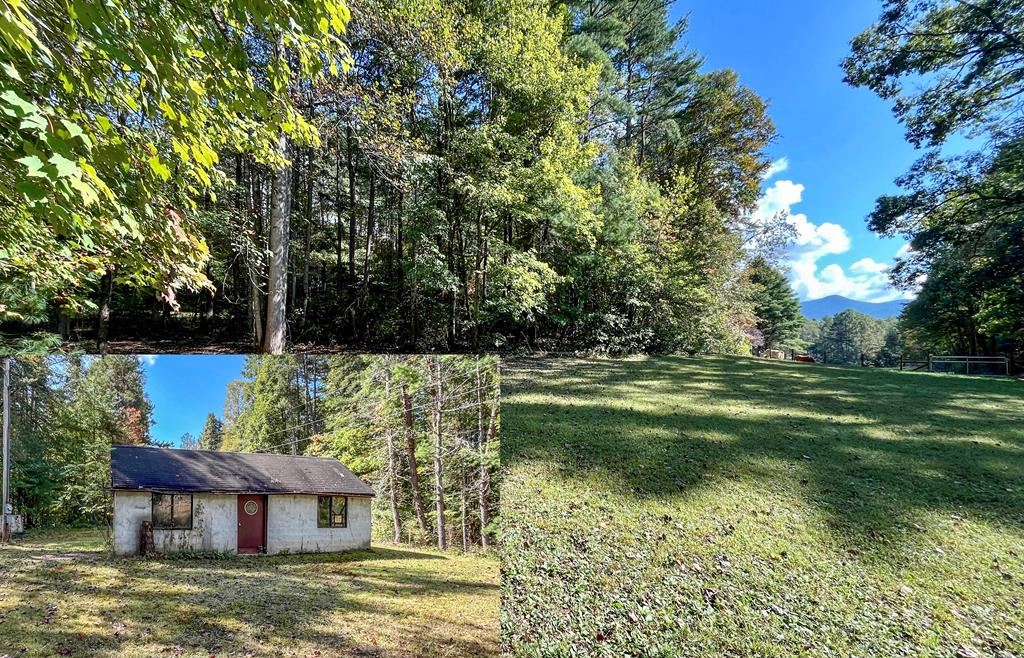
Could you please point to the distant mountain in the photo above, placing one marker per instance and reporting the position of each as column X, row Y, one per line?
column 815, row 309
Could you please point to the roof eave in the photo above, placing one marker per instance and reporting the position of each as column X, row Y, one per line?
column 252, row 492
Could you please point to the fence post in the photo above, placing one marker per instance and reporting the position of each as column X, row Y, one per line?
column 862, row 359
column 901, row 362
column 929, row 361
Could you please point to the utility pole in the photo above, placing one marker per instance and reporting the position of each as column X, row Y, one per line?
column 4, row 530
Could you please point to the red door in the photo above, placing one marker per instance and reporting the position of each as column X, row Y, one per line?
column 252, row 526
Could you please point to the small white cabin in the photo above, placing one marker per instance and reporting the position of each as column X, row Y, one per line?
column 236, row 502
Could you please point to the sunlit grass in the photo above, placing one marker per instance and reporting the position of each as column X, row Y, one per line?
column 717, row 506
column 62, row 594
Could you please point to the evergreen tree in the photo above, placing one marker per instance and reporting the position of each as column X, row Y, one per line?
column 844, row 337
column 486, row 175
column 67, row 412
column 213, row 433
column 117, row 383
column 776, row 306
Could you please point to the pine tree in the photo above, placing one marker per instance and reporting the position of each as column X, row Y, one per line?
column 213, row 433
column 775, row 305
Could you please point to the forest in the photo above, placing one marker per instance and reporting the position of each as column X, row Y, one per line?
column 465, row 176
column 423, row 431
column 424, row 176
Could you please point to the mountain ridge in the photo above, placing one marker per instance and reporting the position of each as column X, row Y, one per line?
column 816, row 309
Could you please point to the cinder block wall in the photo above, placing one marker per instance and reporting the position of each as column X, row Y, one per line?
column 291, row 526
column 214, row 524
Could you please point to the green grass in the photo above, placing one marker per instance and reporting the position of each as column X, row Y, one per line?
column 740, row 507
column 62, row 594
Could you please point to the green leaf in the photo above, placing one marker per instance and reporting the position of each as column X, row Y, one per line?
column 64, row 166
column 34, row 164
column 159, row 168
column 11, row 72
column 89, row 195
column 74, row 130
column 34, row 121
column 16, row 102
column 33, row 191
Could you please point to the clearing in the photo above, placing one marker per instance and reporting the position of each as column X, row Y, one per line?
column 61, row 594
column 724, row 506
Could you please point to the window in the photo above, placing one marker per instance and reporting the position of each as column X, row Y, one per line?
column 172, row 511
column 332, row 512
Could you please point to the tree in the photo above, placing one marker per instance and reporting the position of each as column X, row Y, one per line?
column 963, row 214
column 67, row 411
column 776, row 306
column 107, row 157
column 114, row 388
column 844, row 337
column 275, row 410
column 486, row 176
column 962, row 58
column 446, row 403
column 188, row 442
column 212, row 435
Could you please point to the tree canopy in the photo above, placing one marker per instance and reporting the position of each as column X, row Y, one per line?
column 955, row 68
column 480, row 176
column 66, row 412
column 776, row 307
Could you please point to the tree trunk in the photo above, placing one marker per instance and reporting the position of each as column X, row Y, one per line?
column 255, row 206
column 277, row 300
column 351, row 167
column 410, row 444
column 209, row 298
column 338, row 207
column 485, row 473
column 465, row 535
column 396, row 518
column 442, row 538
column 371, row 202
column 103, row 320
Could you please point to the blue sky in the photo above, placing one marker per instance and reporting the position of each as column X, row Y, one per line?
column 841, row 146
column 184, row 388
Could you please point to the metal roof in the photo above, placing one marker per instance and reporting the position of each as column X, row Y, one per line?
column 164, row 469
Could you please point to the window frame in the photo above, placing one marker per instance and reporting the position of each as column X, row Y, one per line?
column 173, row 525
column 330, row 512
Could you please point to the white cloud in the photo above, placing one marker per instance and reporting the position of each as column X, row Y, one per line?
column 149, row 359
column 777, row 167
column 866, row 280
column 868, row 266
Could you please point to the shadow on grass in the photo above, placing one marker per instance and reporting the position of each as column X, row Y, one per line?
column 871, row 449
column 379, row 602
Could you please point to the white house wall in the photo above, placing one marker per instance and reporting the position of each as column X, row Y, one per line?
column 291, row 526
column 214, row 524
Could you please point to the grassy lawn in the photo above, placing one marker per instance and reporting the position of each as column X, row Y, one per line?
column 739, row 507
column 62, row 595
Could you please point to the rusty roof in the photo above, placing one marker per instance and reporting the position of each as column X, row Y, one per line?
column 143, row 468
